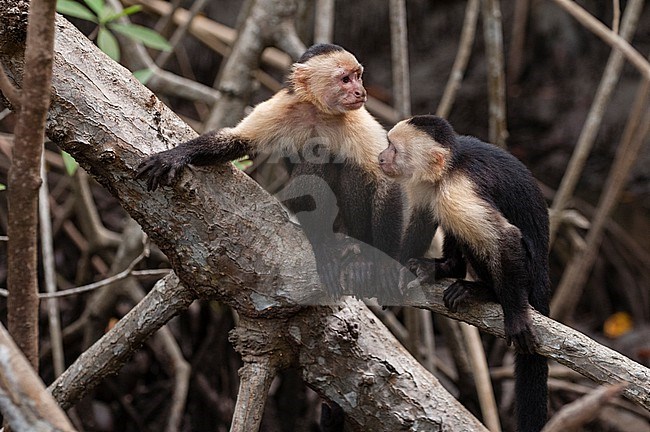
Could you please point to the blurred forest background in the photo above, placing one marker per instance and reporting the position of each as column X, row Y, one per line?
column 553, row 69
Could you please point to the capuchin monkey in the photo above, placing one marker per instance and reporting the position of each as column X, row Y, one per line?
column 318, row 125
column 494, row 219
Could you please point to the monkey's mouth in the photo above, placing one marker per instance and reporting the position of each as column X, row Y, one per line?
column 355, row 105
column 389, row 169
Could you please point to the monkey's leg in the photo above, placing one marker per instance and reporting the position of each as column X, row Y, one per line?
column 452, row 264
column 311, row 195
column 512, row 291
column 418, row 235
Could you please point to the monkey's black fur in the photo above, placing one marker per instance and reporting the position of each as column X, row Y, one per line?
column 521, row 276
column 319, row 49
column 163, row 168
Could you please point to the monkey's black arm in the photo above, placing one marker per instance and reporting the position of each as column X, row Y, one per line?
column 418, row 236
column 208, row 149
column 310, row 195
column 452, row 264
column 387, row 219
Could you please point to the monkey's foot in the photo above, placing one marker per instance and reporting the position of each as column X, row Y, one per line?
column 462, row 291
column 519, row 333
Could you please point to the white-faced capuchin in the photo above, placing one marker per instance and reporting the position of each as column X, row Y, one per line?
column 494, row 219
column 319, row 125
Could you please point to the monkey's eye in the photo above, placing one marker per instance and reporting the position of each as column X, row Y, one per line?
column 346, row 79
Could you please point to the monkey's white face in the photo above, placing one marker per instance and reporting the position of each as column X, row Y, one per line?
column 389, row 163
column 412, row 155
column 348, row 92
column 332, row 81
column 395, row 161
column 343, row 89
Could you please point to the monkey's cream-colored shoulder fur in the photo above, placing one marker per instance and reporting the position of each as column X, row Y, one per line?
column 284, row 123
column 456, row 206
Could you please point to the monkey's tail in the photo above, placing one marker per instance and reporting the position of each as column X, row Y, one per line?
column 531, row 391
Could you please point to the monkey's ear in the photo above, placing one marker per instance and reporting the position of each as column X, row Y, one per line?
column 300, row 73
column 438, row 158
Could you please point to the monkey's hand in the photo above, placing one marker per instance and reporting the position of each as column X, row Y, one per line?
column 423, row 268
column 161, row 168
column 519, row 333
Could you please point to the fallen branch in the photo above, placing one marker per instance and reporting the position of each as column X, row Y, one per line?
column 574, row 416
column 20, row 384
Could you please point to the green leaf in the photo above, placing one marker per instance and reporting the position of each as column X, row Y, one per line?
column 142, row 34
column 73, row 9
column 71, row 165
column 143, row 75
column 243, row 163
column 96, row 6
column 2, row 187
column 125, row 12
column 108, row 43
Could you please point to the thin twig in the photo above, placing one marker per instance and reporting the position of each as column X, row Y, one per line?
column 571, row 285
column 481, row 377
column 95, row 285
column 575, row 415
column 518, row 40
column 493, row 35
column 462, row 58
column 164, row 25
column 49, row 274
column 180, row 33
column 428, row 347
column 324, row 21
column 594, row 118
column 400, row 57
column 617, row 15
column 611, row 38
column 136, row 57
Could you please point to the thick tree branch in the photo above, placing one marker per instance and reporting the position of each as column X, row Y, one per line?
column 556, row 341
column 245, row 252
